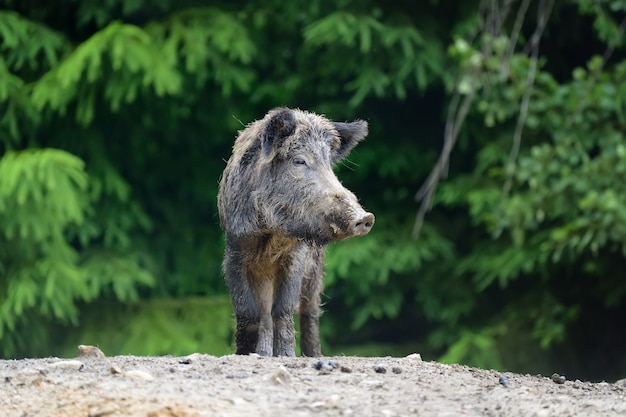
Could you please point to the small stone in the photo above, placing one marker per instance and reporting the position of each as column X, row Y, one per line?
column 281, row 376
column 237, row 401
column 71, row 364
column 333, row 400
column 504, row 381
column 380, row 369
column 322, row 366
column 86, row 351
column 317, row 404
column 189, row 359
column 558, row 379
column 345, row 369
column 333, row 364
column 115, row 370
column 102, row 410
column 34, row 371
column 239, row 375
column 295, row 365
column 414, row 356
column 372, row 383
column 396, row 370
column 136, row 374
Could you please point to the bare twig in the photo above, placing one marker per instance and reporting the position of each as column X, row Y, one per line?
column 543, row 14
column 456, row 117
column 237, row 119
column 517, row 27
column 494, row 15
column 457, row 113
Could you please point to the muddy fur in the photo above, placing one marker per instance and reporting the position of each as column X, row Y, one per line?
column 280, row 204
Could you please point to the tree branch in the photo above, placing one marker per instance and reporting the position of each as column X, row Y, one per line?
column 543, row 14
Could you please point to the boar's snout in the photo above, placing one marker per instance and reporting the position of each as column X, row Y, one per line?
column 347, row 218
column 363, row 225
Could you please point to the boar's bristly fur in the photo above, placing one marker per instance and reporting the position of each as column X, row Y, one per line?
column 280, row 204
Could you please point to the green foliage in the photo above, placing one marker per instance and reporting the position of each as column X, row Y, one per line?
column 46, row 187
column 159, row 327
column 379, row 292
column 44, row 196
column 562, row 219
column 127, row 52
column 211, row 43
column 41, row 195
column 73, row 234
column 102, row 12
column 479, row 345
column 565, row 200
column 604, row 24
column 27, row 44
column 410, row 59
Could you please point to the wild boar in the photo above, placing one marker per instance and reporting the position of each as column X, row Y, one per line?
column 280, row 204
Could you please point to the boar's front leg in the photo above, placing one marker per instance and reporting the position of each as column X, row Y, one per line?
column 310, row 301
column 285, row 305
column 244, row 303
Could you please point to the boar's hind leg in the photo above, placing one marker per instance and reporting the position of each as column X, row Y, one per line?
column 310, row 301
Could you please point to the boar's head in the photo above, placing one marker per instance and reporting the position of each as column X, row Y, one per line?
column 285, row 167
column 299, row 194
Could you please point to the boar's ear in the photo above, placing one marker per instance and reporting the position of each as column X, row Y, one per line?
column 280, row 125
column 350, row 134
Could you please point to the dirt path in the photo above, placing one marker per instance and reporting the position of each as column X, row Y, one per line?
column 203, row 385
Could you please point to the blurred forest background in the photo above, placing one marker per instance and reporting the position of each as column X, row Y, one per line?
column 117, row 116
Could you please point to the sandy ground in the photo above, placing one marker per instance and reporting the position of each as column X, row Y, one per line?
column 204, row 385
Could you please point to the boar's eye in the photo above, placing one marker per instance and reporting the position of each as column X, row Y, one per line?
column 299, row 161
